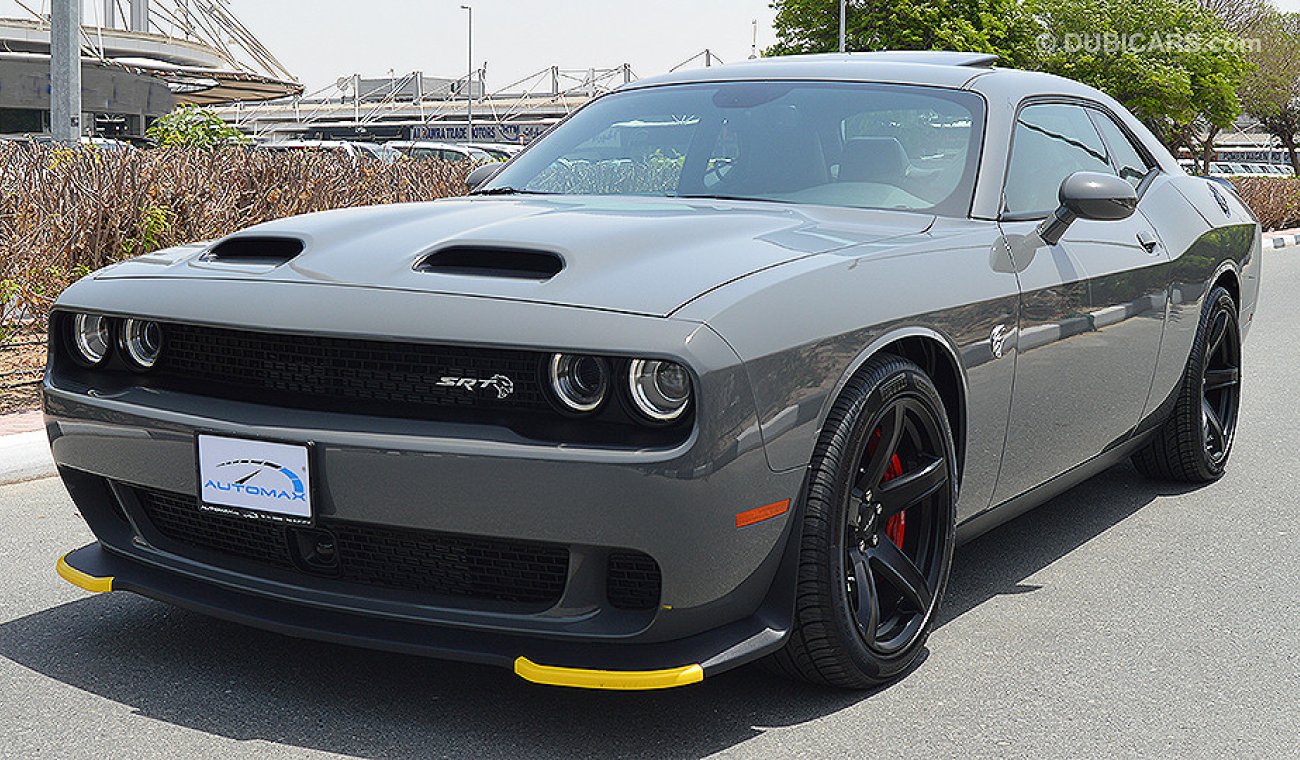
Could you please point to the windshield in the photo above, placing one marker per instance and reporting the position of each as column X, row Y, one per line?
column 838, row 144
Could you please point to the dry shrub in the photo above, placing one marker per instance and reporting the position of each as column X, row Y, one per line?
column 1275, row 200
column 64, row 213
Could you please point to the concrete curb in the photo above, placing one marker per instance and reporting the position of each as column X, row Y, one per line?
column 25, row 456
column 1282, row 239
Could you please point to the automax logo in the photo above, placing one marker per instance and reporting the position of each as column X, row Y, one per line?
column 275, row 481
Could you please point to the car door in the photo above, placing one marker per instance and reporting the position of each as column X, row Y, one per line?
column 1092, row 306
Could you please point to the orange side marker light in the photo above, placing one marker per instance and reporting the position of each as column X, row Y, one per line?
column 759, row 514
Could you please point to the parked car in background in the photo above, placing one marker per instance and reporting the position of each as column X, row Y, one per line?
column 499, row 151
column 720, row 369
column 103, row 143
column 1278, row 170
column 440, row 151
column 356, row 151
column 1226, row 169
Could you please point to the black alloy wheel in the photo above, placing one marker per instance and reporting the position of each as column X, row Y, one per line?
column 1221, row 386
column 1194, row 443
column 895, row 534
column 877, row 535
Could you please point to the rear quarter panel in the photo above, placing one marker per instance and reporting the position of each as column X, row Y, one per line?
column 1204, row 243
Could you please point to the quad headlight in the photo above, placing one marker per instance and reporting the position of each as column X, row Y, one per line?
column 656, row 391
column 92, row 339
column 92, row 336
column 581, row 383
column 142, row 342
column 660, row 390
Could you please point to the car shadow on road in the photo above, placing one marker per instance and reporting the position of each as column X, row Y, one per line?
column 185, row 669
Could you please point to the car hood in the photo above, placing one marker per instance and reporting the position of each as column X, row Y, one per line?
column 634, row 255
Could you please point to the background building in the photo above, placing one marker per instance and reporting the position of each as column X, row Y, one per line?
column 140, row 58
column 415, row 106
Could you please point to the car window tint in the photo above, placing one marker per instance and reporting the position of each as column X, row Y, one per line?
column 1051, row 142
column 1123, row 154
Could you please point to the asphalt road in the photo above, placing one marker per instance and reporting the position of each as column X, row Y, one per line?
column 1123, row 619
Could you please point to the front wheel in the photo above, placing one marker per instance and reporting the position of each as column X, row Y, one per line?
column 878, row 531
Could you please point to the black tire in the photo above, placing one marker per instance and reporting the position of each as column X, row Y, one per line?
column 1193, row 445
column 847, row 533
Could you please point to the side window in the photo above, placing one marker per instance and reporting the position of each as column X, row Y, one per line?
column 1051, row 141
column 1126, row 157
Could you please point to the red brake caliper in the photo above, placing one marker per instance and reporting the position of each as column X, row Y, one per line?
column 896, row 525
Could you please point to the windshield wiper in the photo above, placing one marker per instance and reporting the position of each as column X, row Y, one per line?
column 510, row 191
column 711, row 196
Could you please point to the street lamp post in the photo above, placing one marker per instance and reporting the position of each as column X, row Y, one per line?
column 843, row 8
column 65, row 71
column 469, row 80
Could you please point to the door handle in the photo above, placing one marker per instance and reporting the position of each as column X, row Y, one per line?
column 1149, row 241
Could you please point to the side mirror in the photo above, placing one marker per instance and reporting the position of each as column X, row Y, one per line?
column 1089, row 195
column 482, row 174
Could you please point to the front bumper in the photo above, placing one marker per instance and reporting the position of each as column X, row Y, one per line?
column 723, row 599
column 599, row 666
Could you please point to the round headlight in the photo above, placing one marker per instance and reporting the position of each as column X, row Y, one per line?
column 142, row 341
column 91, row 336
column 661, row 390
column 579, row 382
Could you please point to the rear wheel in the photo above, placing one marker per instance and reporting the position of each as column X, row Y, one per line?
column 1194, row 443
column 877, row 533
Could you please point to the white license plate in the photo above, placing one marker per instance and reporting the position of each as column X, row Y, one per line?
column 260, row 477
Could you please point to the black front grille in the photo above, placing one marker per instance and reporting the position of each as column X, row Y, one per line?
column 632, row 581
column 523, row 572
column 177, row 517
column 516, row 571
column 372, row 376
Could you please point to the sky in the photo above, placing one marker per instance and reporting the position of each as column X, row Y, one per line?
column 320, row 41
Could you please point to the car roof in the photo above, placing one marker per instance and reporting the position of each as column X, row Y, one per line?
column 941, row 68
column 936, row 68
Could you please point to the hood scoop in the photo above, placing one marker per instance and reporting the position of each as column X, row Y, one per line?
column 480, row 261
column 264, row 251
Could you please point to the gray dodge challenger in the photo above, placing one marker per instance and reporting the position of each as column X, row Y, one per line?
column 719, row 370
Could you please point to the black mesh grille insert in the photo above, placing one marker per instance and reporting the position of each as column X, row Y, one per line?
column 524, row 572
column 387, row 378
column 482, row 568
column 177, row 517
column 632, row 581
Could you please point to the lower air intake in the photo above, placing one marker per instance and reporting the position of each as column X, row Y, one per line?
column 442, row 564
column 632, row 581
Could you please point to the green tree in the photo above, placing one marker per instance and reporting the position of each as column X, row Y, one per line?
column 193, row 127
column 1239, row 17
column 1171, row 62
column 983, row 26
column 1272, row 91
